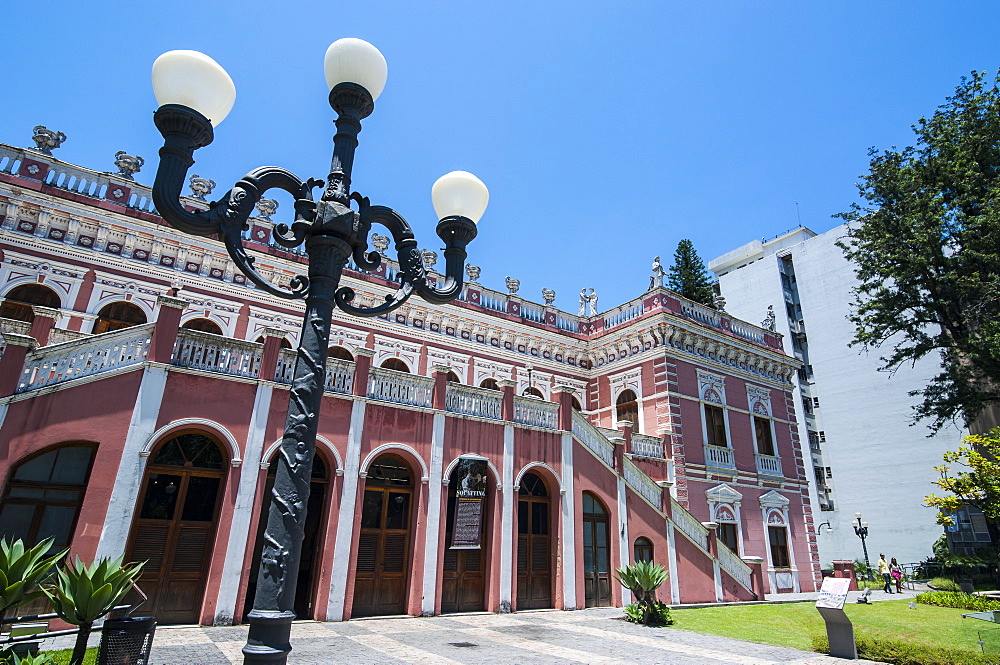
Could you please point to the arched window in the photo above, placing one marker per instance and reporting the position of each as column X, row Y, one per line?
column 17, row 303
column 340, row 353
column 532, row 391
column 490, row 384
column 203, row 325
column 576, row 403
column 396, row 364
column 596, row 553
column 44, row 495
column 285, row 344
column 642, row 550
column 627, row 408
column 452, row 378
column 729, row 532
column 762, row 430
column 534, row 543
column 118, row 315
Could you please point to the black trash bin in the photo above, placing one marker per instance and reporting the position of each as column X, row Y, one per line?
column 126, row 641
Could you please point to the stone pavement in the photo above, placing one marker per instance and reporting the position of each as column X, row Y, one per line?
column 592, row 636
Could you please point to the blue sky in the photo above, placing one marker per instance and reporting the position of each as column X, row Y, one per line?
column 606, row 132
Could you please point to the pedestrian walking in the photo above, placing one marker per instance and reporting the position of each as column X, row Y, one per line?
column 896, row 571
column 883, row 570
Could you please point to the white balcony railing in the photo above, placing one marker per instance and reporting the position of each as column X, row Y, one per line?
column 641, row 483
column 399, row 387
column 589, row 436
column 474, row 401
column 768, row 465
column 339, row 376
column 285, row 369
column 647, row 446
column 718, row 457
column 85, row 357
column 689, row 525
column 215, row 353
column 536, row 412
column 733, row 565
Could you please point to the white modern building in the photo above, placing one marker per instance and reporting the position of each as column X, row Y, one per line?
column 866, row 455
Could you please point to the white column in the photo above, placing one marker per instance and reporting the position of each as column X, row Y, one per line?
column 239, row 530
column 568, row 525
column 508, row 497
column 433, row 516
column 623, row 539
column 128, row 480
column 675, row 585
column 345, row 520
column 717, row 572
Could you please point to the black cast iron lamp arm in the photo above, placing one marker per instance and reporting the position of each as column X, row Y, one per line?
column 195, row 94
column 861, row 531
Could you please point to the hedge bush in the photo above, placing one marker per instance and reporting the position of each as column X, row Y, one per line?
column 944, row 584
column 898, row 652
column 958, row 601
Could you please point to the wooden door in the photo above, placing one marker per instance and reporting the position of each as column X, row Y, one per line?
column 312, row 541
column 463, row 585
column 174, row 527
column 534, row 546
column 596, row 553
column 383, row 554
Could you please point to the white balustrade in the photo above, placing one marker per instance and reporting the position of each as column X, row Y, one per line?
column 532, row 312
column 285, row 370
column 536, row 412
column 622, row 314
column 215, row 353
column 474, row 401
column 719, row 457
column 59, row 335
column 400, row 387
column 735, row 566
column 768, row 465
column 492, row 300
column 596, row 442
column 647, row 446
column 85, row 357
column 702, row 314
column 689, row 525
column 741, row 329
column 567, row 322
column 339, row 376
column 641, row 483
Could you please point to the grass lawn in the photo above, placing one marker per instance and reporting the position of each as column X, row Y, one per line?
column 62, row 656
column 794, row 624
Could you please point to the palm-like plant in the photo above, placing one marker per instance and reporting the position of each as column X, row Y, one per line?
column 82, row 594
column 643, row 578
column 22, row 571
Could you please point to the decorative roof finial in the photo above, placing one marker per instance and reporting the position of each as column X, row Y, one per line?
column 472, row 272
column 720, row 303
column 47, row 140
column 769, row 320
column 380, row 243
column 429, row 258
column 549, row 296
column 266, row 208
column 128, row 165
column 200, row 186
column 512, row 285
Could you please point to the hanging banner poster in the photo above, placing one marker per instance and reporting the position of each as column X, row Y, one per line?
column 470, row 499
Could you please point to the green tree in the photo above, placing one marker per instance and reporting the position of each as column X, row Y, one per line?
column 688, row 276
column 975, row 483
column 924, row 241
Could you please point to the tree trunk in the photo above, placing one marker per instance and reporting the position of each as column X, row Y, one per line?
column 80, row 648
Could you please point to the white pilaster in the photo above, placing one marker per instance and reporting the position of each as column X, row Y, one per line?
column 568, row 525
column 434, row 487
column 239, row 530
column 128, row 480
column 508, row 496
column 345, row 520
column 675, row 585
column 717, row 572
column 623, row 539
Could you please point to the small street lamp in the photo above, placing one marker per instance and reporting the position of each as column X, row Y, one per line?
column 195, row 94
column 861, row 529
column 829, row 528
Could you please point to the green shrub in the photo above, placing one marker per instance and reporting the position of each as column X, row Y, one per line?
column 944, row 584
column 643, row 578
column 898, row 652
column 958, row 601
column 636, row 613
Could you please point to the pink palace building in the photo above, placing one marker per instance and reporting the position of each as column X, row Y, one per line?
column 143, row 389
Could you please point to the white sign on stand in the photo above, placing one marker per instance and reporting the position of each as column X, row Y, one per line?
column 839, row 629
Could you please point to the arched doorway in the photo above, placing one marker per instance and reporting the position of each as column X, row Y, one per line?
column 340, row 353
column 174, row 526
column 627, row 408
column 285, row 344
column 534, row 544
column 596, row 553
column 490, row 384
column 118, row 315
column 396, row 365
column 203, row 325
column 18, row 302
column 531, row 391
column 383, row 553
column 312, row 541
column 463, row 587
column 452, row 378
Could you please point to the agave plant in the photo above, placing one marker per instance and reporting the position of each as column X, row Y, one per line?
column 82, row 594
column 643, row 578
column 22, row 571
column 27, row 659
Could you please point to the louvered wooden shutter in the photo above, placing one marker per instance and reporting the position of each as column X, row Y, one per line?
column 150, row 544
column 395, row 553
column 189, row 552
column 540, row 554
column 367, row 552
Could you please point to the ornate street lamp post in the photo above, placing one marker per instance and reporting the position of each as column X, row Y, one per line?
column 861, row 529
column 195, row 94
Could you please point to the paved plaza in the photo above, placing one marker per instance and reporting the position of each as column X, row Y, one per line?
column 593, row 636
